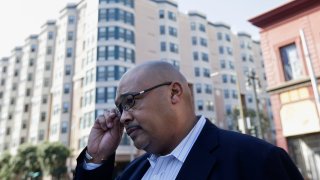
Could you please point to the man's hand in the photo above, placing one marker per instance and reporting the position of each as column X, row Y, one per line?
column 105, row 136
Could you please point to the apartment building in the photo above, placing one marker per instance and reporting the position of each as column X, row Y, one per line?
column 22, row 110
column 41, row 98
column 10, row 80
column 80, row 57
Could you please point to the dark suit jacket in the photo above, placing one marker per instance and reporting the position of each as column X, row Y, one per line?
column 217, row 154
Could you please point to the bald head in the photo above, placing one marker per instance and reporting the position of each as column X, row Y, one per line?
column 154, row 72
column 151, row 73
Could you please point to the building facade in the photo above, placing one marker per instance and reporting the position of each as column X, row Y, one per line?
column 79, row 59
column 290, row 44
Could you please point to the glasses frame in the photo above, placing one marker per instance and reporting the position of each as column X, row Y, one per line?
column 121, row 107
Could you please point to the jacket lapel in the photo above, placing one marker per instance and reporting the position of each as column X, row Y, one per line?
column 201, row 158
column 141, row 170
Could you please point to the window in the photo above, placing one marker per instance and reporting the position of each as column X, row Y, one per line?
column 194, row 40
column 65, row 107
column 219, row 36
column 49, row 50
column 26, row 108
column 101, row 95
column 205, row 57
column 1, row 95
column 66, row 88
column 12, row 101
column 8, row 131
column 28, row 92
column 48, row 66
column 102, row 16
column 102, row 33
column 33, row 48
column 221, row 50
column 234, row 94
column 44, row 99
column 50, row 35
column 46, row 82
column 228, row 109
column 162, row 29
column 291, row 63
column 173, row 31
column 101, row 73
column 31, row 62
column 172, row 16
column 231, row 66
column 250, row 58
column 222, row 64
column 41, row 135
column 110, row 94
column 200, row 105
column 198, row 88
column 69, row 52
column 43, row 116
column 228, row 38
column 208, row 88
column 244, row 57
column 224, row 78
column 102, row 53
column 233, row 79
column 24, row 125
column 195, row 56
column 206, row 72
column 14, row 86
column 161, row 14
column 229, row 50
column 70, row 36
column 64, row 127
column 4, row 69
column 249, row 98
column 174, row 48
column 163, row 46
column 203, row 42
column 67, row 70
column 71, row 19
column 202, row 27
column 3, row 82
column 226, row 93
column 16, row 73
column 193, row 26
column 197, row 71
column 209, row 105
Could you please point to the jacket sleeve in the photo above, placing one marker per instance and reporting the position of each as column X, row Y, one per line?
column 103, row 172
column 278, row 165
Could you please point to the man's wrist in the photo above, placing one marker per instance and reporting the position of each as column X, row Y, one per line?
column 93, row 159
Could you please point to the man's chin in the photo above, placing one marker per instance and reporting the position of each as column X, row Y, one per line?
column 140, row 145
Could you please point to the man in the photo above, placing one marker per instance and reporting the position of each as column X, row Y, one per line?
column 156, row 108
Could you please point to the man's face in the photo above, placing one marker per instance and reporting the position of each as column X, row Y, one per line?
column 148, row 122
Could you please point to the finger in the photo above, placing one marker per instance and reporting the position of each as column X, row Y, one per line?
column 101, row 121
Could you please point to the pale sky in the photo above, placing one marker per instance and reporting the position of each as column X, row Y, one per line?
column 21, row 18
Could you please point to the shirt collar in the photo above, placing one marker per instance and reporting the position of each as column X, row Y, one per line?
column 182, row 150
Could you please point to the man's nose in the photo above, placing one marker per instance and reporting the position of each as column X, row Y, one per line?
column 125, row 117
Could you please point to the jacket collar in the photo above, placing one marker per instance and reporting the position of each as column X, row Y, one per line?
column 201, row 154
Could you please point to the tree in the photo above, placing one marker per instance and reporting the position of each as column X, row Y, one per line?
column 26, row 162
column 5, row 166
column 53, row 157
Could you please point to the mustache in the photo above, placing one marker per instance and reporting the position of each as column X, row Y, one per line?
column 131, row 128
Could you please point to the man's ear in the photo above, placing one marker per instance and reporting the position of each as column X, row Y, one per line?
column 176, row 92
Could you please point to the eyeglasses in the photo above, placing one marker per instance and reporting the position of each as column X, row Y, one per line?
column 127, row 100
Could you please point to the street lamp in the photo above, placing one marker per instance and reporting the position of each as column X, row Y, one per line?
column 240, row 102
column 252, row 79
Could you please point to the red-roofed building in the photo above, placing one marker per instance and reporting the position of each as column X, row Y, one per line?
column 290, row 40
